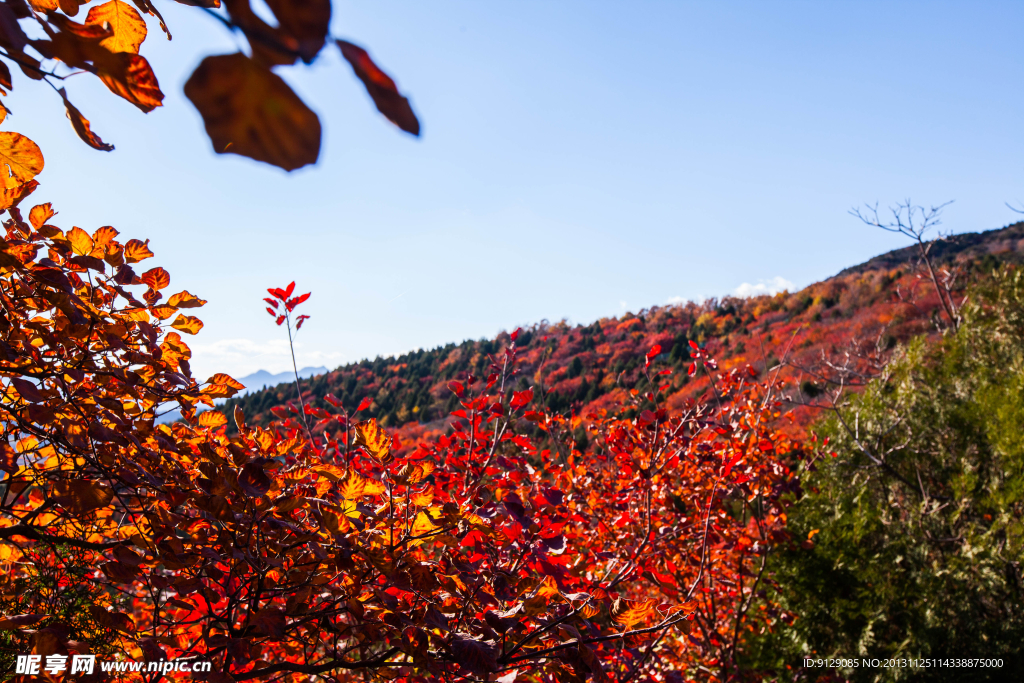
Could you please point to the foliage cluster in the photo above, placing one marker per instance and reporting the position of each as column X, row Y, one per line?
column 315, row 546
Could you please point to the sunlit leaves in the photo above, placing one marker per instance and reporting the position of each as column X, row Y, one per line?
column 212, row 418
column 184, row 299
column 135, row 251
column 20, row 159
column 187, row 323
column 249, row 110
column 374, row 439
column 80, row 241
column 630, row 613
column 130, row 76
column 126, row 24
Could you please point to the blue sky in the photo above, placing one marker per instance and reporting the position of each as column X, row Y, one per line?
column 578, row 159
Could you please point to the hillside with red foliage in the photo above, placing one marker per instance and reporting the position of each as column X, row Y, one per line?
column 830, row 333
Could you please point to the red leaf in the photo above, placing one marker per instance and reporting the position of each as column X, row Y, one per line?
column 381, row 88
column 693, row 369
column 765, row 445
column 292, row 303
column 271, row 312
column 653, row 353
column 693, row 345
column 272, row 302
column 729, row 465
column 521, row 398
column 299, row 321
column 279, row 293
column 456, row 388
column 289, row 290
column 515, row 335
column 280, row 319
column 364, row 404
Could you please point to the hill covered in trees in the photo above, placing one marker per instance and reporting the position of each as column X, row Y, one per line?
column 832, row 331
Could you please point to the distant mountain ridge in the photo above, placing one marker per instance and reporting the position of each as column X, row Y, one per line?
column 863, row 310
column 262, row 379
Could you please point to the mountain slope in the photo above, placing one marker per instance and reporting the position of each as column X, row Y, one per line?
column 849, row 321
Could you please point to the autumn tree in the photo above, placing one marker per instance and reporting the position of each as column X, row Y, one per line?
column 317, row 545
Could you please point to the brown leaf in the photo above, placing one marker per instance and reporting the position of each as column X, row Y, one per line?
column 81, row 126
column 305, row 20
column 274, row 46
column 20, row 620
column 5, row 76
column 127, row 25
column 20, row 158
column 119, row 572
column 250, row 111
column 70, row 7
column 130, row 76
column 82, row 495
column 253, row 480
column 477, row 656
column 270, row 621
column 382, row 89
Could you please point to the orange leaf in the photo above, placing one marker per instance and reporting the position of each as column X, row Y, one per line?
column 163, row 312
column 157, row 278
column 80, row 241
column 12, row 196
column 81, row 126
column 130, row 76
column 374, row 439
column 221, row 378
column 40, row 214
column 20, row 158
column 627, row 612
column 212, row 418
column 250, row 111
column 136, row 251
column 129, row 29
column 104, row 235
column 185, row 300
column 187, row 323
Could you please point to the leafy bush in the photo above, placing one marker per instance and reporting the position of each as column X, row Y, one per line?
column 912, row 512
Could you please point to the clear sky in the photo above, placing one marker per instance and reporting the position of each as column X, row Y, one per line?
column 578, row 160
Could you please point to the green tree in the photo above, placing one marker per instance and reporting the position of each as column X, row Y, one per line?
column 908, row 535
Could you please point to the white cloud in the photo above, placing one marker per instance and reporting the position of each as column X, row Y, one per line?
column 773, row 286
column 241, row 357
column 676, row 300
